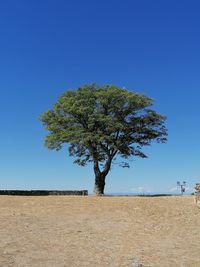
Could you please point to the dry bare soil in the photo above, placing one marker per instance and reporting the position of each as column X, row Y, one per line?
column 99, row 231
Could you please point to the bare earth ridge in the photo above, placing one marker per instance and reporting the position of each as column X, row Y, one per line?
column 99, row 231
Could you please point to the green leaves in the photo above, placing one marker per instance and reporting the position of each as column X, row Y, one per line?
column 100, row 122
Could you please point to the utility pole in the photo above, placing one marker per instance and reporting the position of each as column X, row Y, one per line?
column 182, row 186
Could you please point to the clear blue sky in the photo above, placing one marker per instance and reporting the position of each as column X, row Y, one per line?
column 46, row 47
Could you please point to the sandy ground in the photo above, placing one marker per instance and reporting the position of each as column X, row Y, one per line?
column 99, row 231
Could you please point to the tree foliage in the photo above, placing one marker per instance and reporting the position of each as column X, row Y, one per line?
column 102, row 122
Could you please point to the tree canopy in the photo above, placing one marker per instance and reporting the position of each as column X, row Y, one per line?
column 101, row 123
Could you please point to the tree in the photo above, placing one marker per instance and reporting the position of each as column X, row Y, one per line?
column 101, row 123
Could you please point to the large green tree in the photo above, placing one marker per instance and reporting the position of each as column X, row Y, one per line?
column 101, row 123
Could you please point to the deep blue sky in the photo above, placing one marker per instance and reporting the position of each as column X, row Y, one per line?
column 46, row 47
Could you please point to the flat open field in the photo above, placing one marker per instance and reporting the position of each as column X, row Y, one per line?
column 99, row 231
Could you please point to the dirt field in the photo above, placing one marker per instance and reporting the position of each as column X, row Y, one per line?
column 99, row 231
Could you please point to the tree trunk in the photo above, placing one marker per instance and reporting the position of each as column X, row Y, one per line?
column 99, row 184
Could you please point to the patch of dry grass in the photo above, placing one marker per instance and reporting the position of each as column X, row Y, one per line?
column 99, row 231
